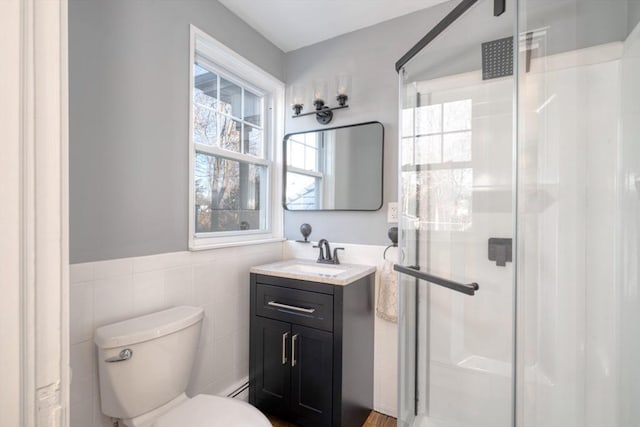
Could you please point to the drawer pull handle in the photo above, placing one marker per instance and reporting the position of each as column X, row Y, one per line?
column 291, row 307
column 293, row 350
column 284, row 348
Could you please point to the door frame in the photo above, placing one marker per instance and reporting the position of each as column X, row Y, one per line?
column 34, row 310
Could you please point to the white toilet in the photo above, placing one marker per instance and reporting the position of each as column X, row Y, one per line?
column 145, row 364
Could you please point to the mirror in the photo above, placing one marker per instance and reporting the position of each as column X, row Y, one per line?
column 334, row 169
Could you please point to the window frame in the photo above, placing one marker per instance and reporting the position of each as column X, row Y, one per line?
column 237, row 69
column 318, row 174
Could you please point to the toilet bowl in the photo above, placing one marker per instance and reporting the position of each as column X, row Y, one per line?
column 205, row 411
column 144, row 368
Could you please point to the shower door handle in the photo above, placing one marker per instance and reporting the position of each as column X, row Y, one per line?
column 414, row 271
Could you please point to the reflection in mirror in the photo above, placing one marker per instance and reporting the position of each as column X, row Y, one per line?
column 334, row 169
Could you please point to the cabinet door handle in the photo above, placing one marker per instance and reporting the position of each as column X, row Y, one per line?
column 284, row 348
column 293, row 350
column 291, row 307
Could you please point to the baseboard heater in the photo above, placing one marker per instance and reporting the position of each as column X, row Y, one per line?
column 239, row 390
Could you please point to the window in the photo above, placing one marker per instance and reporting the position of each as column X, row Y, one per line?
column 235, row 111
column 305, row 170
column 436, row 153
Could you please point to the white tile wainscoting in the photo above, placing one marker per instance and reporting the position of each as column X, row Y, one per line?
column 108, row 291
column 218, row 280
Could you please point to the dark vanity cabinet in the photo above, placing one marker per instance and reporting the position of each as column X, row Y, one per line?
column 311, row 350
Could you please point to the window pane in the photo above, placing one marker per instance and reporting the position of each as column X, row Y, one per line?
column 253, row 141
column 302, row 191
column 407, row 151
column 230, row 133
column 205, row 103
column 302, row 152
column 429, row 119
column 451, row 195
column 449, row 192
column 428, row 149
column 206, row 87
column 457, row 115
column 230, row 98
column 311, row 158
column 205, row 125
column 229, row 195
column 457, row 147
column 407, row 122
column 252, row 108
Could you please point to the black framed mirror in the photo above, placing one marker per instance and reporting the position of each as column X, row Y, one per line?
column 339, row 168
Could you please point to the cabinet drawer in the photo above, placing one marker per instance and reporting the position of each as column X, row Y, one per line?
column 295, row 306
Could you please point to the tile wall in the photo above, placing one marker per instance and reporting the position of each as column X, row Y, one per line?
column 109, row 291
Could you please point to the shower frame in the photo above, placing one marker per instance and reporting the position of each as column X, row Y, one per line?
column 499, row 7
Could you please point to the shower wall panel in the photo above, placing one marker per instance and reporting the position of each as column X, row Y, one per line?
column 568, row 144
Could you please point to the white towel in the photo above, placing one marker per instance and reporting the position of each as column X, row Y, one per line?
column 387, row 306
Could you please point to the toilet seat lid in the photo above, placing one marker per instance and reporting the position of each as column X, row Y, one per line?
column 210, row 411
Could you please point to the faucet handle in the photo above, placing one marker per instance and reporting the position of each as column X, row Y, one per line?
column 335, row 255
column 321, row 254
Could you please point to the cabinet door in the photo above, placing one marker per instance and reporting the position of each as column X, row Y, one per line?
column 311, row 376
column 272, row 371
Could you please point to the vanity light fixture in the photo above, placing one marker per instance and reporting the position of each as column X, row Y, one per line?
column 324, row 113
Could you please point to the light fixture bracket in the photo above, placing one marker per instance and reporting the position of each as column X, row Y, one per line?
column 324, row 115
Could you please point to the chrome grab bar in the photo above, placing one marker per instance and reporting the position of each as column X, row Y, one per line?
column 291, row 307
column 125, row 354
column 284, row 348
column 414, row 271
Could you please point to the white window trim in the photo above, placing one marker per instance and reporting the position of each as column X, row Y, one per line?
column 226, row 58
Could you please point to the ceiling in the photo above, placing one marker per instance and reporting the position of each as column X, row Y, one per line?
column 292, row 24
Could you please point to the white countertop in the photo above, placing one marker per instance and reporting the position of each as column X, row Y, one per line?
column 304, row 269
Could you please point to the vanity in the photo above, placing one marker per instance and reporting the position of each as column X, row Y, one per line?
column 311, row 342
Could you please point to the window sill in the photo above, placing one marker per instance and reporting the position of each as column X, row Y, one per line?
column 205, row 246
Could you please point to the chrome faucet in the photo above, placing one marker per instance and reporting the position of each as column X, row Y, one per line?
column 325, row 257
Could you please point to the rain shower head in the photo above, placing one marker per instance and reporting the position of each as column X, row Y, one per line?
column 497, row 58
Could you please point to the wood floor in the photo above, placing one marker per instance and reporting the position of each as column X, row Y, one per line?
column 376, row 419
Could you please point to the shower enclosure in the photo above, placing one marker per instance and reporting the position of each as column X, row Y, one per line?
column 519, row 183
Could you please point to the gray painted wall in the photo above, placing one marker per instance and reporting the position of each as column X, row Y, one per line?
column 569, row 25
column 633, row 14
column 129, row 107
column 129, row 69
column 369, row 56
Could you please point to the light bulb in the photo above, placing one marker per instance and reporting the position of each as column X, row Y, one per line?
column 343, row 84
column 297, row 98
column 320, row 92
column 297, row 95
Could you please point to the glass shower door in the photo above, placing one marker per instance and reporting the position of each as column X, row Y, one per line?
column 456, row 224
column 578, row 214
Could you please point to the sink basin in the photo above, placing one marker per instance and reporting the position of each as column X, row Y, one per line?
column 314, row 269
column 309, row 270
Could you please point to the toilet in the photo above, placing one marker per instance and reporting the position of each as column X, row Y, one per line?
column 144, row 367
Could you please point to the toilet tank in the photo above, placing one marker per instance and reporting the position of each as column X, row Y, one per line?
column 162, row 349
